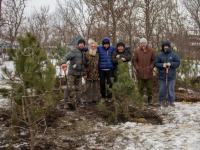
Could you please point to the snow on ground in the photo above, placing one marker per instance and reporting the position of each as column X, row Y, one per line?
column 4, row 102
column 180, row 130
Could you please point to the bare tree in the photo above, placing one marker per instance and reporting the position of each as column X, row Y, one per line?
column 193, row 7
column 151, row 11
column 39, row 24
column 109, row 13
column 128, row 28
column 1, row 22
column 75, row 16
column 13, row 16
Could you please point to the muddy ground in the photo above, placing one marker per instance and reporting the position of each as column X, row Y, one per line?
column 84, row 128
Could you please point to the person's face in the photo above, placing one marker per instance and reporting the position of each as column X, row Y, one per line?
column 81, row 45
column 106, row 46
column 143, row 45
column 93, row 46
column 166, row 48
column 120, row 48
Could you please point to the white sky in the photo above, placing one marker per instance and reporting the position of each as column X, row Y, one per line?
column 36, row 4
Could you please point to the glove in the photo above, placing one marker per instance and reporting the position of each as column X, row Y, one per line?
column 168, row 64
column 165, row 65
column 117, row 56
column 74, row 66
column 123, row 59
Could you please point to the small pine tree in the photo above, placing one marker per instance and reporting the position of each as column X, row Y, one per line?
column 186, row 73
column 32, row 93
column 124, row 94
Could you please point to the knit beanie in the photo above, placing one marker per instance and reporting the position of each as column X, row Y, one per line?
column 120, row 44
column 81, row 41
column 143, row 40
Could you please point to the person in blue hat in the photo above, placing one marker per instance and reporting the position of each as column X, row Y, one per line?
column 167, row 62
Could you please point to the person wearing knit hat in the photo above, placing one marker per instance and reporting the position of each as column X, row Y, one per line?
column 120, row 54
column 143, row 61
column 76, row 57
column 106, row 68
column 167, row 62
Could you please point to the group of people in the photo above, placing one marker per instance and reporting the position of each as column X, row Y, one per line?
column 97, row 64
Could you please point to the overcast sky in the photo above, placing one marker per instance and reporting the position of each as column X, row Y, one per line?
column 36, row 4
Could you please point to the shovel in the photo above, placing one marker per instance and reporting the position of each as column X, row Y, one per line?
column 167, row 71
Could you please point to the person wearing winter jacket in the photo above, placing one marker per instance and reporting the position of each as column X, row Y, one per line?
column 76, row 57
column 143, row 61
column 105, row 67
column 167, row 62
column 92, row 73
column 120, row 54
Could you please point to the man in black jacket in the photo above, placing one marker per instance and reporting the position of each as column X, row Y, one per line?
column 121, row 54
column 75, row 72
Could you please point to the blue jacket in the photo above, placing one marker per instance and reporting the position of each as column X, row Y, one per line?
column 165, row 57
column 105, row 56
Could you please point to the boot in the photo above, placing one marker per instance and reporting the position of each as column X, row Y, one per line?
column 66, row 106
column 163, row 103
column 172, row 104
column 71, row 105
column 149, row 100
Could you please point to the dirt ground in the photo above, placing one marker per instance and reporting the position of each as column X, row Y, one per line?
column 67, row 129
column 83, row 128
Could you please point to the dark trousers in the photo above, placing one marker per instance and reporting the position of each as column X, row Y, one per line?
column 73, row 90
column 92, row 94
column 148, row 83
column 105, row 75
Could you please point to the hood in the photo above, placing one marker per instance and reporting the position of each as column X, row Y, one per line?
column 166, row 43
column 105, row 39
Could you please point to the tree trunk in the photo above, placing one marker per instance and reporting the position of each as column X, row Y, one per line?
column 147, row 19
column 114, row 29
column 0, row 9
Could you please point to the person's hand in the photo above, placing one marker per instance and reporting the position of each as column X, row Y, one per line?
column 168, row 64
column 74, row 66
column 165, row 65
column 117, row 56
column 123, row 59
column 64, row 67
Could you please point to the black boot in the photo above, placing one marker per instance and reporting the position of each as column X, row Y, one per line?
column 149, row 100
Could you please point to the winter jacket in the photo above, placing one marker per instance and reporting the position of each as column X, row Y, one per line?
column 105, row 56
column 125, row 54
column 165, row 57
column 143, row 61
column 77, row 60
column 91, row 66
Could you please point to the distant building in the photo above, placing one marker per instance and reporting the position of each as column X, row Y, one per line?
column 74, row 42
column 4, row 45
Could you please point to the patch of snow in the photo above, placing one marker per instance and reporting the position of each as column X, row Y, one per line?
column 4, row 102
column 181, row 130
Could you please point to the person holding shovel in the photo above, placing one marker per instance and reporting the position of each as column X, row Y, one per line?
column 76, row 57
column 167, row 62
